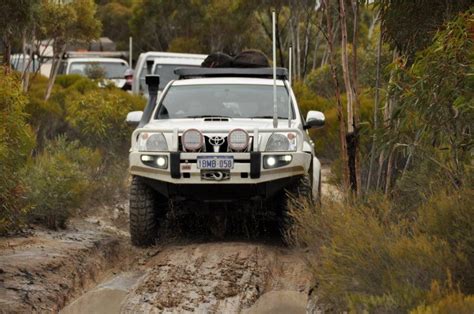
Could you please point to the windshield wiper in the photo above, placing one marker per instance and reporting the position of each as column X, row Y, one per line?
column 267, row 117
column 207, row 116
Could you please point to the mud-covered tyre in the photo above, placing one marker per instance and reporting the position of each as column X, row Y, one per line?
column 143, row 215
column 302, row 188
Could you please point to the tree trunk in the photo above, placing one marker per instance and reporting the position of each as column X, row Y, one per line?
column 298, row 48
column 54, row 72
column 372, row 25
column 315, row 51
column 307, row 40
column 388, row 177
column 375, row 114
column 351, row 136
column 7, row 53
column 340, row 113
column 387, row 115
column 278, row 39
column 25, row 76
column 354, row 155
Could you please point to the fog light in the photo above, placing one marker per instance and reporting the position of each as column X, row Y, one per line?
column 161, row 161
column 146, row 158
column 270, row 161
column 275, row 161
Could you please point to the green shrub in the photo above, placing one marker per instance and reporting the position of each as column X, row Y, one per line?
column 368, row 259
column 99, row 118
column 16, row 143
column 321, row 82
column 326, row 139
column 76, row 83
column 46, row 117
column 450, row 216
column 59, row 180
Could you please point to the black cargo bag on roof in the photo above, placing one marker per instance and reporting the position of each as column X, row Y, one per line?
column 251, row 59
column 217, row 60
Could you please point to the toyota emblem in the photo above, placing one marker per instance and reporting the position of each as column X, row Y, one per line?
column 216, row 140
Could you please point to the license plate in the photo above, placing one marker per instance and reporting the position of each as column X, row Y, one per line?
column 215, row 162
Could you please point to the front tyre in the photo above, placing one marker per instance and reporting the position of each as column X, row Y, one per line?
column 303, row 188
column 143, row 215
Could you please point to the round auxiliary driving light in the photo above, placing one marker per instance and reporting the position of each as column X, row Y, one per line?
column 161, row 161
column 270, row 161
column 192, row 140
column 238, row 140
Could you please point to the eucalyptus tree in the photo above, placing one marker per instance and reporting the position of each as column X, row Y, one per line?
column 15, row 17
column 66, row 24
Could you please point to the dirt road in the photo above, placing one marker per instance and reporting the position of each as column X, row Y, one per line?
column 92, row 268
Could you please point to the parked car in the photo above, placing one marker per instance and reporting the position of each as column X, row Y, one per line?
column 212, row 137
column 163, row 64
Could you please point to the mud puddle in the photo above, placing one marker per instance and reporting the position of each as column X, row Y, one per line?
column 106, row 297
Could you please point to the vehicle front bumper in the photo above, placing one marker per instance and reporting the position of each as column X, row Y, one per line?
column 248, row 168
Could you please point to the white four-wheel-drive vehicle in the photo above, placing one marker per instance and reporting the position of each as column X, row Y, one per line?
column 113, row 69
column 162, row 64
column 213, row 137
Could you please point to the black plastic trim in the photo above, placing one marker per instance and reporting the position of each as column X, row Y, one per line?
column 153, row 82
column 255, row 164
column 175, row 160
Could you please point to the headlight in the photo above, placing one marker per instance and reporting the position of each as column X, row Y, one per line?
column 279, row 142
column 192, row 140
column 238, row 140
column 152, row 142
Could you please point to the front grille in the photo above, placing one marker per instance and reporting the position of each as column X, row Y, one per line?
column 210, row 147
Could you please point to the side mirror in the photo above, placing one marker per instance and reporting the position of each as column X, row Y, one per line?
column 134, row 118
column 315, row 119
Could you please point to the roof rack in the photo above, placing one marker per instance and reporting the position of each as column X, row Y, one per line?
column 186, row 73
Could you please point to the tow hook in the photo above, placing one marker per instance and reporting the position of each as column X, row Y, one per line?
column 215, row 175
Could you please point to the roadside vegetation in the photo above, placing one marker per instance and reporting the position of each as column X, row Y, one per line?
column 394, row 79
column 406, row 244
column 63, row 154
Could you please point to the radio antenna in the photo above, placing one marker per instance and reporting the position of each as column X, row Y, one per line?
column 275, row 107
column 289, row 86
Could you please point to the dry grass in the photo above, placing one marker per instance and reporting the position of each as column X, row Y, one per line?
column 366, row 257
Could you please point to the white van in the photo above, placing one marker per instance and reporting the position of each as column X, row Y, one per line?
column 163, row 64
column 19, row 61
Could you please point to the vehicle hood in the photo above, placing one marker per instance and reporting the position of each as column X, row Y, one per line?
column 201, row 124
column 116, row 82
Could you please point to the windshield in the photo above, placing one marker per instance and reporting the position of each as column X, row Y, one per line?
column 96, row 70
column 233, row 101
column 166, row 72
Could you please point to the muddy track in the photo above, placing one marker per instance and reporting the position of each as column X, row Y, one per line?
column 216, row 277
column 92, row 268
column 43, row 272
